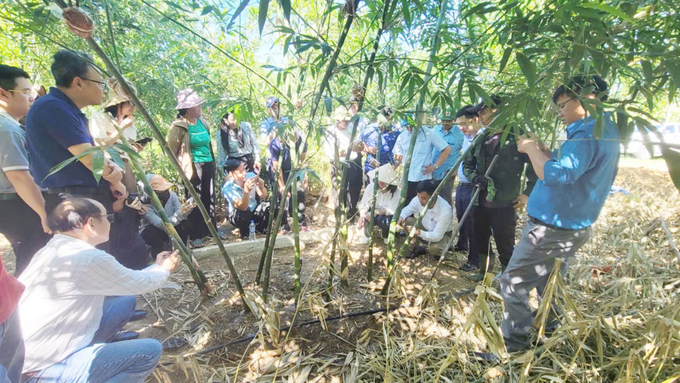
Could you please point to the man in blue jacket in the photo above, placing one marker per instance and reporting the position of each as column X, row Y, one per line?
column 574, row 181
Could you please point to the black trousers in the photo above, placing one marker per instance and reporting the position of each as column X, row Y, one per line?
column 158, row 240
column 259, row 216
column 411, row 192
column 125, row 243
column 466, row 236
column 355, row 178
column 203, row 180
column 501, row 222
column 447, row 190
column 22, row 228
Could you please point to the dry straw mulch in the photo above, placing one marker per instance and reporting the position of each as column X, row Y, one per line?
column 622, row 318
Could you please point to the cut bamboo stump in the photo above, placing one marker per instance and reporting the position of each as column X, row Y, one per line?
column 249, row 247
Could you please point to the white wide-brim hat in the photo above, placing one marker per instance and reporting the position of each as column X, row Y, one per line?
column 188, row 98
column 387, row 175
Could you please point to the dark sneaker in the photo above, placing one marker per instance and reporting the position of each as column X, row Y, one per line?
column 418, row 250
column 460, row 249
column 476, row 277
column 138, row 315
column 468, row 267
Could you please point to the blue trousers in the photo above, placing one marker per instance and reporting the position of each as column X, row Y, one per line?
column 128, row 361
column 11, row 349
column 466, row 237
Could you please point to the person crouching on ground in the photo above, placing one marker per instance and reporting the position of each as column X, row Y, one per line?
column 435, row 226
column 246, row 198
column 387, row 200
column 78, row 298
column 152, row 228
column 575, row 180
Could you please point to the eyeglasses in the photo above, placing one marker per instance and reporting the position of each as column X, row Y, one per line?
column 102, row 84
column 25, row 92
column 562, row 105
column 109, row 217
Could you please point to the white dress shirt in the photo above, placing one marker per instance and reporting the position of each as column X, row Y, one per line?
column 437, row 221
column 66, row 283
column 387, row 201
column 428, row 139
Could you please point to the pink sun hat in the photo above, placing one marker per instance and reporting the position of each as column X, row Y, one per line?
column 188, row 98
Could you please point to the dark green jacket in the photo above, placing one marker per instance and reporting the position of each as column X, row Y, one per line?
column 506, row 174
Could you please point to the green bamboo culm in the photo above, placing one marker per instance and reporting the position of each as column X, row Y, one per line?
column 341, row 226
column 272, row 204
column 161, row 140
column 414, row 134
column 271, row 229
column 334, row 57
column 296, row 240
column 185, row 254
column 376, row 186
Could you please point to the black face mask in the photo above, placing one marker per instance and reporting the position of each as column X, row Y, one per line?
column 164, row 196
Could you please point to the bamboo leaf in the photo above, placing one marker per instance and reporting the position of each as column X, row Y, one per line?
column 98, row 165
column 505, row 58
column 116, row 157
column 64, row 164
column 207, row 10
column 528, row 69
column 406, row 12
column 609, row 9
column 647, row 71
column 285, row 4
column 672, row 158
column 238, row 11
column 262, row 15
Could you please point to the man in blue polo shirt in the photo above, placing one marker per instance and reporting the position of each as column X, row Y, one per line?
column 58, row 130
column 574, row 182
column 454, row 138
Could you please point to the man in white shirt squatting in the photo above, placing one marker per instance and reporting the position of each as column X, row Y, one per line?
column 435, row 228
column 78, row 298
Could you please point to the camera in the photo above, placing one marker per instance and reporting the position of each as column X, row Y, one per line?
column 143, row 198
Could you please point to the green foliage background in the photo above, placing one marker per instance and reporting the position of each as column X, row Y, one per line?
column 237, row 53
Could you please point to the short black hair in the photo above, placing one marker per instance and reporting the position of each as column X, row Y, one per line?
column 9, row 76
column 181, row 113
column 427, row 186
column 468, row 111
column 72, row 214
column 577, row 85
column 494, row 102
column 232, row 164
column 68, row 65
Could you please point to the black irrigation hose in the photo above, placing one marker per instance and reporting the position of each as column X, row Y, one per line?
column 457, row 294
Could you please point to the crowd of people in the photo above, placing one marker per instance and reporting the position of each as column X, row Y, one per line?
column 86, row 244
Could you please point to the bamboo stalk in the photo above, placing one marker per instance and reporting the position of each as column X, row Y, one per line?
column 369, row 264
column 173, row 160
column 334, row 58
column 296, row 240
column 270, row 233
column 416, row 130
column 185, row 254
column 341, row 228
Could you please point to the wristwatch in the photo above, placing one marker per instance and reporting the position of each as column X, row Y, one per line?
column 435, row 166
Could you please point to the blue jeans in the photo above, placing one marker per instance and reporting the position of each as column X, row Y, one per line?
column 128, row 361
column 11, row 349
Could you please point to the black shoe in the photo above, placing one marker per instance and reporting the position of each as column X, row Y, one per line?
column 468, row 267
column 460, row 249
column 418, row 250
column 137, row 315
column 125, row 335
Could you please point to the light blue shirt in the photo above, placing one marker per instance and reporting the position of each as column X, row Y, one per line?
column 427, row 142
column 454, row 138
column 578, row 177
column 467, row 142
column 270, row 125
column 233, row 192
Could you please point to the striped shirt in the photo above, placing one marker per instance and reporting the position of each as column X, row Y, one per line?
column 66, row 283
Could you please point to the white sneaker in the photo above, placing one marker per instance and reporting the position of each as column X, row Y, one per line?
column 385, row 240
